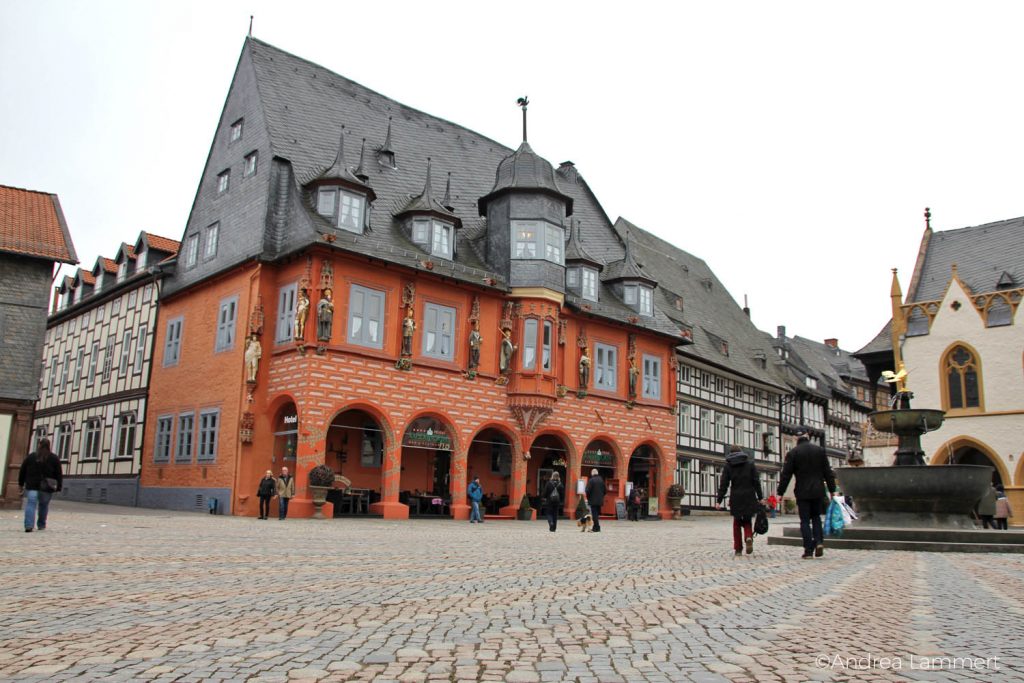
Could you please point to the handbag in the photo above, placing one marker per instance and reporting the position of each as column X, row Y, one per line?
column 761, row 521
column 48, row 485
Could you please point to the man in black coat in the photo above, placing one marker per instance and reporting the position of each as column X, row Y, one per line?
column 39, row 478
column 809, row 464
column 595, row 497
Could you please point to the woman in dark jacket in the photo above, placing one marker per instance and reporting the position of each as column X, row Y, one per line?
column 266, row 491
column 745, row 499
column 39, row 477
column 551, row 499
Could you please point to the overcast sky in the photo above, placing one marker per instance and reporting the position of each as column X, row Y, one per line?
column 791, row 145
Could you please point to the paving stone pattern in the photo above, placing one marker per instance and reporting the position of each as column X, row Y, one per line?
column 119, row 594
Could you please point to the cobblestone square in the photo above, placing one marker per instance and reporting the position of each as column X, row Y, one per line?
column 121, row 594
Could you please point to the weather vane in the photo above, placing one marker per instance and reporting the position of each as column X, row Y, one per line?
column 523, row 102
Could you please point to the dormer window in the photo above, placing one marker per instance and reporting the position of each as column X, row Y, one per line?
column 78, row 293
column 99, row 280
column 434, row 236
column 342, row 208
column 811, row 382
column 538, row 240
column 122, row 270
column 140, row 259
column 583, row 281
column 639, row 297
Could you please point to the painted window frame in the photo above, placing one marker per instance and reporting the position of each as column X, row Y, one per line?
column 235, row 130
column 94, row 362
column 208, row 432
column 163, row 439
column 92, row 439
column 140, row 350
column 211, row 240
column 191, row 251
column 438, row 342
column 62, row 436
column 606, row 360
column 108, row 356
column 971, row 366
column 126, row 353
column 535, row 240
column 227, row 320
column 530, row 327
column 547, row 334
column 250, row 164
column 359, row 334
column 223, row 182
column 124, row 436
column 287, row 296
column 651, row 377
column 184, row 435
column 172, row 341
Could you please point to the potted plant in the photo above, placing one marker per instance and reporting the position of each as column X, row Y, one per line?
column 674, row 498
column 525, row 511
column 321, row 480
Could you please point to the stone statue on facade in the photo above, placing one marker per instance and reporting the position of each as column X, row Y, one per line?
column 508, row 349
column 475, row 340
column 324, row 316
column 584, row 368
column 408, row 328
column 301, row 313
column 634, row 373
column 253, row 353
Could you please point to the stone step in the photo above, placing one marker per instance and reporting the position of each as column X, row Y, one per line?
column 919, row 546
column 985, row 536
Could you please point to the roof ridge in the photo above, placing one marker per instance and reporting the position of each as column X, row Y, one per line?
column 25, row 189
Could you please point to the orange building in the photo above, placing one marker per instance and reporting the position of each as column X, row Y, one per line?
column 327, row 308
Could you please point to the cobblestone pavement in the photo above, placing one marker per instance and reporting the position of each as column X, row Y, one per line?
column 114, row 594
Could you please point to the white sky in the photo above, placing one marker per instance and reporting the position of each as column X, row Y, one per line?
column 791, row 145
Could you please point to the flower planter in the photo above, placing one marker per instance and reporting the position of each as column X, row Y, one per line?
column 319, row 494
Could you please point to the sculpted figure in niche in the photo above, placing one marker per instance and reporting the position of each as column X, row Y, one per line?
column 584, row 368
column 301, row 313
column 633, row 374
column 475, row 339
column 408, row 327
column 253, row 353
column 324, row 316
column 507, row 350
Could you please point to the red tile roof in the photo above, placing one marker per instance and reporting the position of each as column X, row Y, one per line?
column 86, row 276
column 32, row 223
column 162, row 243
column 109, row 264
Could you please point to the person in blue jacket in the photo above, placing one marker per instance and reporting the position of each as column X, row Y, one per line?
column 476, row 494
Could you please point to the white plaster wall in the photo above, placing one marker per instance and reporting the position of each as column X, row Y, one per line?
column 1001, row 352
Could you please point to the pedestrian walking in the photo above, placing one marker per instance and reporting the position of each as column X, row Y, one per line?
column 987, row 508
column 1003, row 510
column 39, row 478
column 551, row 499
column 633, row 503
column 809, row 464
column 773, row 502
column 740, row 475
column 595, row 498
column 285, row 492
column 476, row 494
column 265, row 491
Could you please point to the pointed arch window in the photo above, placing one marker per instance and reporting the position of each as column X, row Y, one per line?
column 962, row 371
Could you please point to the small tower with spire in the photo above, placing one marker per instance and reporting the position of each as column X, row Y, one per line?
column 526, row 212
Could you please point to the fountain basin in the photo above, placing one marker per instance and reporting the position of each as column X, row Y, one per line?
column 937, row 496
column 907, row 421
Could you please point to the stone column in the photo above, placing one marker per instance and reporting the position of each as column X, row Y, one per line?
column 460, row 503
column 391, row 479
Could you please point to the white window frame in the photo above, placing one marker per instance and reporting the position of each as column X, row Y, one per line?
column 606, row 359
column 211, row 237
column 65, row 371
column 172, row 341
column 162, row 442
column 572, row 276
column 438, row 331
column 122, row 270
column 421, row 231
column 588, row 286
column 351, row 211
column 140, row 349
column 79, row 366
column 323, row 193
column 684, row 419
column 235, row 132
column 227, row 317
column 651, row 377
column 184, row 435
column 366, row 325
column 62, row 440
column 443, row 239
column 52, row 381
column 537, row 240
column 126, row 353
column 108, row 356
column 132, row 298
column 286, row 300
column 124, row 446
column 530, row 326
column 92, row 439
column 209, row 430
column 191, row 250
column 94, row 362
column 223, row 181
column 646, row 302
column 251, row 163
column 545, row 346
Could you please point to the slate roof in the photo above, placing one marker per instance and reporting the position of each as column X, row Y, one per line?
column 882, row 343
column 305, row 106
column 32, row 224
column 982, row 254
column 706, row 305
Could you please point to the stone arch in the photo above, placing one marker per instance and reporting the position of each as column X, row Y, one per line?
column 378, row 414
column 958, row 443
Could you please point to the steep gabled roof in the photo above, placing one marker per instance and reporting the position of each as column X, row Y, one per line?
column 982, row 254
column 32, row 224
column 159, row 243
column 705, row 304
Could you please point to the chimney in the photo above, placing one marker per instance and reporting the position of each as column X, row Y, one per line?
column 746, row 308
column 567, row 169
column 832, row 343
column 780, row 332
